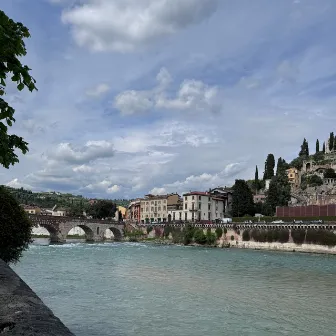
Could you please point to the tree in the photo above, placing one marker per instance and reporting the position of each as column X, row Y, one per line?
column 210, row 237
column 219, row 232
column 278, row 193
column 15, row 228
column 304, row 152
column 242, row 199
column 323, row 149
column 103, row 209
column 317, row 146
column 12, row 48
column 269, row 167
column 331, row 141
column 329, row 173
column 200, row 237
column 256, row 180
column 246, row 235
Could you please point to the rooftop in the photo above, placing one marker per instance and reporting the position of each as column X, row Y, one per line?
column 198, row 193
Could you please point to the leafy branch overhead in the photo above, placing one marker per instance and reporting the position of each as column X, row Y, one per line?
column 12, row 47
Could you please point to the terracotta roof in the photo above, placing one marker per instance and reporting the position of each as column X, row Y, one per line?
column 198, row 193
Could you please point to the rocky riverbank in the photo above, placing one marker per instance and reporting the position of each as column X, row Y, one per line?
column 22, row 312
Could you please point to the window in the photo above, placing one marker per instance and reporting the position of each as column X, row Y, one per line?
column 152, row 203
column 155, row 202
column 199, row 197
column 209, row 199
column 147, row 203
column 147, row 209
column 185, row 206
column 209, row 206
column 199, row 206
column 185, row 216
column 152, row 209
column 142, row 209
column 186, row 198
column 180, row 215
column 164, row 208
column 159, row 208
column 193, row 197
column 159, row 202
column 164, row 201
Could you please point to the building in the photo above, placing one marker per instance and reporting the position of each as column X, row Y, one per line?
column 133, row 212
column 259, row 198
column 123, row 211
column 31, row 209
column 199, row 206
column 154, row 208
column 226, row 195
column 293, row 175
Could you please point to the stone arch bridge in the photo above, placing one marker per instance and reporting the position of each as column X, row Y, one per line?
column 94, row 229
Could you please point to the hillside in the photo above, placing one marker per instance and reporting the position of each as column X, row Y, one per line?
column 49, row 199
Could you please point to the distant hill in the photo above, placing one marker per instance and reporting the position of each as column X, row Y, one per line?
column 49, row 199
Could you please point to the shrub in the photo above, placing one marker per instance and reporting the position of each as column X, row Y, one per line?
column 210, row 237
column 166, row 231
column 149, row 229
column 200, row 237
column 225, row 231
column 283, row 235
column 298, row 236
column 246, row 235
column 15, row 228
column 219, row 232
column 232, row 237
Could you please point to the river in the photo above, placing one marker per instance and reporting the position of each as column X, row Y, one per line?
column 126, row 289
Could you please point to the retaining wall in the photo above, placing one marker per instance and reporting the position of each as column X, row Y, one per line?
column 22, row 312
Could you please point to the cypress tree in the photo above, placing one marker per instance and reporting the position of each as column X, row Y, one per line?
column 256, row 179
column 242, row 199
column 304, row 148
column 317, row 146
column 331, row 141
column 279, row 166
column 323, row 149
column 334, row 143
column 269, row 167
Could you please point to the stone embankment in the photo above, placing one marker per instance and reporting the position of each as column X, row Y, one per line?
column 22, row 312
column 286, row 247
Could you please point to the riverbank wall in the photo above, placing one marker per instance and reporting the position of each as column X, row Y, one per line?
column 22, row 312
column 286, row 247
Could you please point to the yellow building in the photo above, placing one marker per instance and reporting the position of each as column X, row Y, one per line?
column 293, row 175
column 123, row 210
column 32, row 210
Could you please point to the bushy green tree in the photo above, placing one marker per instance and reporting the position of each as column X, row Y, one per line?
column 200, row 237
column 188, row 234
column 103, row 209
column 298, row 236
column 15, row 228
column 210, row 237
column 219, row 232
column 246, row 235
column 269, row 167
column 12, row 49
column 242, row 199
column 329, row 173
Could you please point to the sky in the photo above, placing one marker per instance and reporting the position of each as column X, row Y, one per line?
column 160, row 96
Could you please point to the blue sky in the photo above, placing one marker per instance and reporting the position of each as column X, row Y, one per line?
column 139, row 96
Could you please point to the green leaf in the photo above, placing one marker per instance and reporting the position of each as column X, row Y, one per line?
column 20, row 86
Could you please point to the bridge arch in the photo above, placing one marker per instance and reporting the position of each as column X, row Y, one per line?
column 54, row 234
column 117, row 234
column 89, row 233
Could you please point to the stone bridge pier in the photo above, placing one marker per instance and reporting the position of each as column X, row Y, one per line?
column 59, row 228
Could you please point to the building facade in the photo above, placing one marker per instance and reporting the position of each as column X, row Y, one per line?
column 199, row 206
column 293, row 175
column 133, row 212
column 31, row 209
column 154, row 208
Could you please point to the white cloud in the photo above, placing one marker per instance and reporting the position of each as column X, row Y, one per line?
column 125, row 25
column 98, row 91
column 130, row 102
column 92, row 150
column 193, row 95
column 15, row 183
column 158, row 191
column 115, row 188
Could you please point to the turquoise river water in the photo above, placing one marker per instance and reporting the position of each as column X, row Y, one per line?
column 126, row 289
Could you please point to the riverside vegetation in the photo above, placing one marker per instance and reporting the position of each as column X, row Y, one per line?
column 190, row 235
